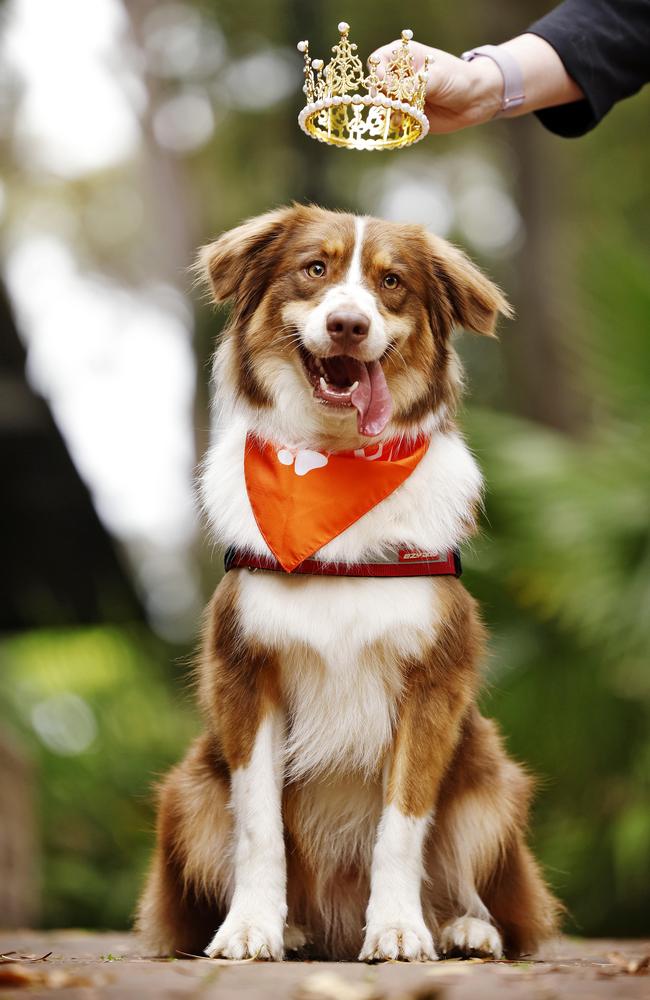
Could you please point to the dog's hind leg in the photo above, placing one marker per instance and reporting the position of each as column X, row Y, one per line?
column 520, row 902
column 485, row 885
column 513, row 913
column 184, row 898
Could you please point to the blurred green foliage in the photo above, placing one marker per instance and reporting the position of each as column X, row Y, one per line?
column 94, row 801
column 562, row 572
column 562, row 566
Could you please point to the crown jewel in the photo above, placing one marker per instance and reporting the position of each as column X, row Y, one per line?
column 346, row 107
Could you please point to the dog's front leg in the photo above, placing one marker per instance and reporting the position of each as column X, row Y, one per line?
column 254, row 926
column 436, row 697
column 395, row 927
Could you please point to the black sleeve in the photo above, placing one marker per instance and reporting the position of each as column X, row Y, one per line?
column 605, row 47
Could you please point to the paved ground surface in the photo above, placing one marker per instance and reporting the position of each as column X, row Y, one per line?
column 84, row 966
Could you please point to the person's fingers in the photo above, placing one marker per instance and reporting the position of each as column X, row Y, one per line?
column 445, row 87
column 419, row 51
column 436, row 74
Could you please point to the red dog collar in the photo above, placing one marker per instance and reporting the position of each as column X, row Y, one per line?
column 401, row 562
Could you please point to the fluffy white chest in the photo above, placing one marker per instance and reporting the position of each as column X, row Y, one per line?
column 341, row 644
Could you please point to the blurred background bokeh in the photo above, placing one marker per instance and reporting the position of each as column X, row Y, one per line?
column 130, row 132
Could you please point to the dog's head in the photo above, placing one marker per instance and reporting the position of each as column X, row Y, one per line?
column 341, row 324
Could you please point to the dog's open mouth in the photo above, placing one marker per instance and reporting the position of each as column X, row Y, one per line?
column 346, row 381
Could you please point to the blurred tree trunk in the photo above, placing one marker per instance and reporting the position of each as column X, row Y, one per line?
column 545, row 353
column 170, row 212
column 305, row 20
column 172, row 232
column 19, row 859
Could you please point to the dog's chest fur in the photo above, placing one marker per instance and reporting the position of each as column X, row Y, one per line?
column 342, row 644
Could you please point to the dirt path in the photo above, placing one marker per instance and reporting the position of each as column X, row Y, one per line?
column 87, row 965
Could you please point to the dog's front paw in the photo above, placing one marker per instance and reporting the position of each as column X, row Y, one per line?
column 248, row 936
column 470, row 936
column 402, row 941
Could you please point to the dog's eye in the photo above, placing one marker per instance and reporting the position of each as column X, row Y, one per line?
column 316, row 269
column 390, row 281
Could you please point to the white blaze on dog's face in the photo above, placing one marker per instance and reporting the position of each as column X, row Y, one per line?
column 343, row 335
column 341, row 323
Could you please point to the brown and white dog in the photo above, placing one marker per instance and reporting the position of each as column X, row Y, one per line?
column 346, row 793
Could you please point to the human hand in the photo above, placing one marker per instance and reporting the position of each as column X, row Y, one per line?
column 458, row 93
column 463, row 93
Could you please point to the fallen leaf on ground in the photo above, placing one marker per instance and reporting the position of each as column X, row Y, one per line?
column 215, row 961
column 452, row 967
column 14, row 956
column 330, row 986
column 17, row 974
column 631, row 966
column 14, row 974
column 427, row 992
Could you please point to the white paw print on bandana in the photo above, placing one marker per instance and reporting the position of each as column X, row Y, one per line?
column 305, row 460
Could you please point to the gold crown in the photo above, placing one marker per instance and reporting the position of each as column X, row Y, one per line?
column 389, row 115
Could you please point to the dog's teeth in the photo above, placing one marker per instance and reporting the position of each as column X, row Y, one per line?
column 323, row 384
column 355, row 385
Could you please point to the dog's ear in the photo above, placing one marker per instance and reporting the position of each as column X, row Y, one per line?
column 475, row 302
column 238, row 264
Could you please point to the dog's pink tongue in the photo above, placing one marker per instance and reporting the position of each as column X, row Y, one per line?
column 372, row 399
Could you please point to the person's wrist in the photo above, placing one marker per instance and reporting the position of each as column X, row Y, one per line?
column 485, row 90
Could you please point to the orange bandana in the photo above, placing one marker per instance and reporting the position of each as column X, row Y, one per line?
column 302, row 500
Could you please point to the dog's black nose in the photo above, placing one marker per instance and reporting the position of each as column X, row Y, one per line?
column 347, row 327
